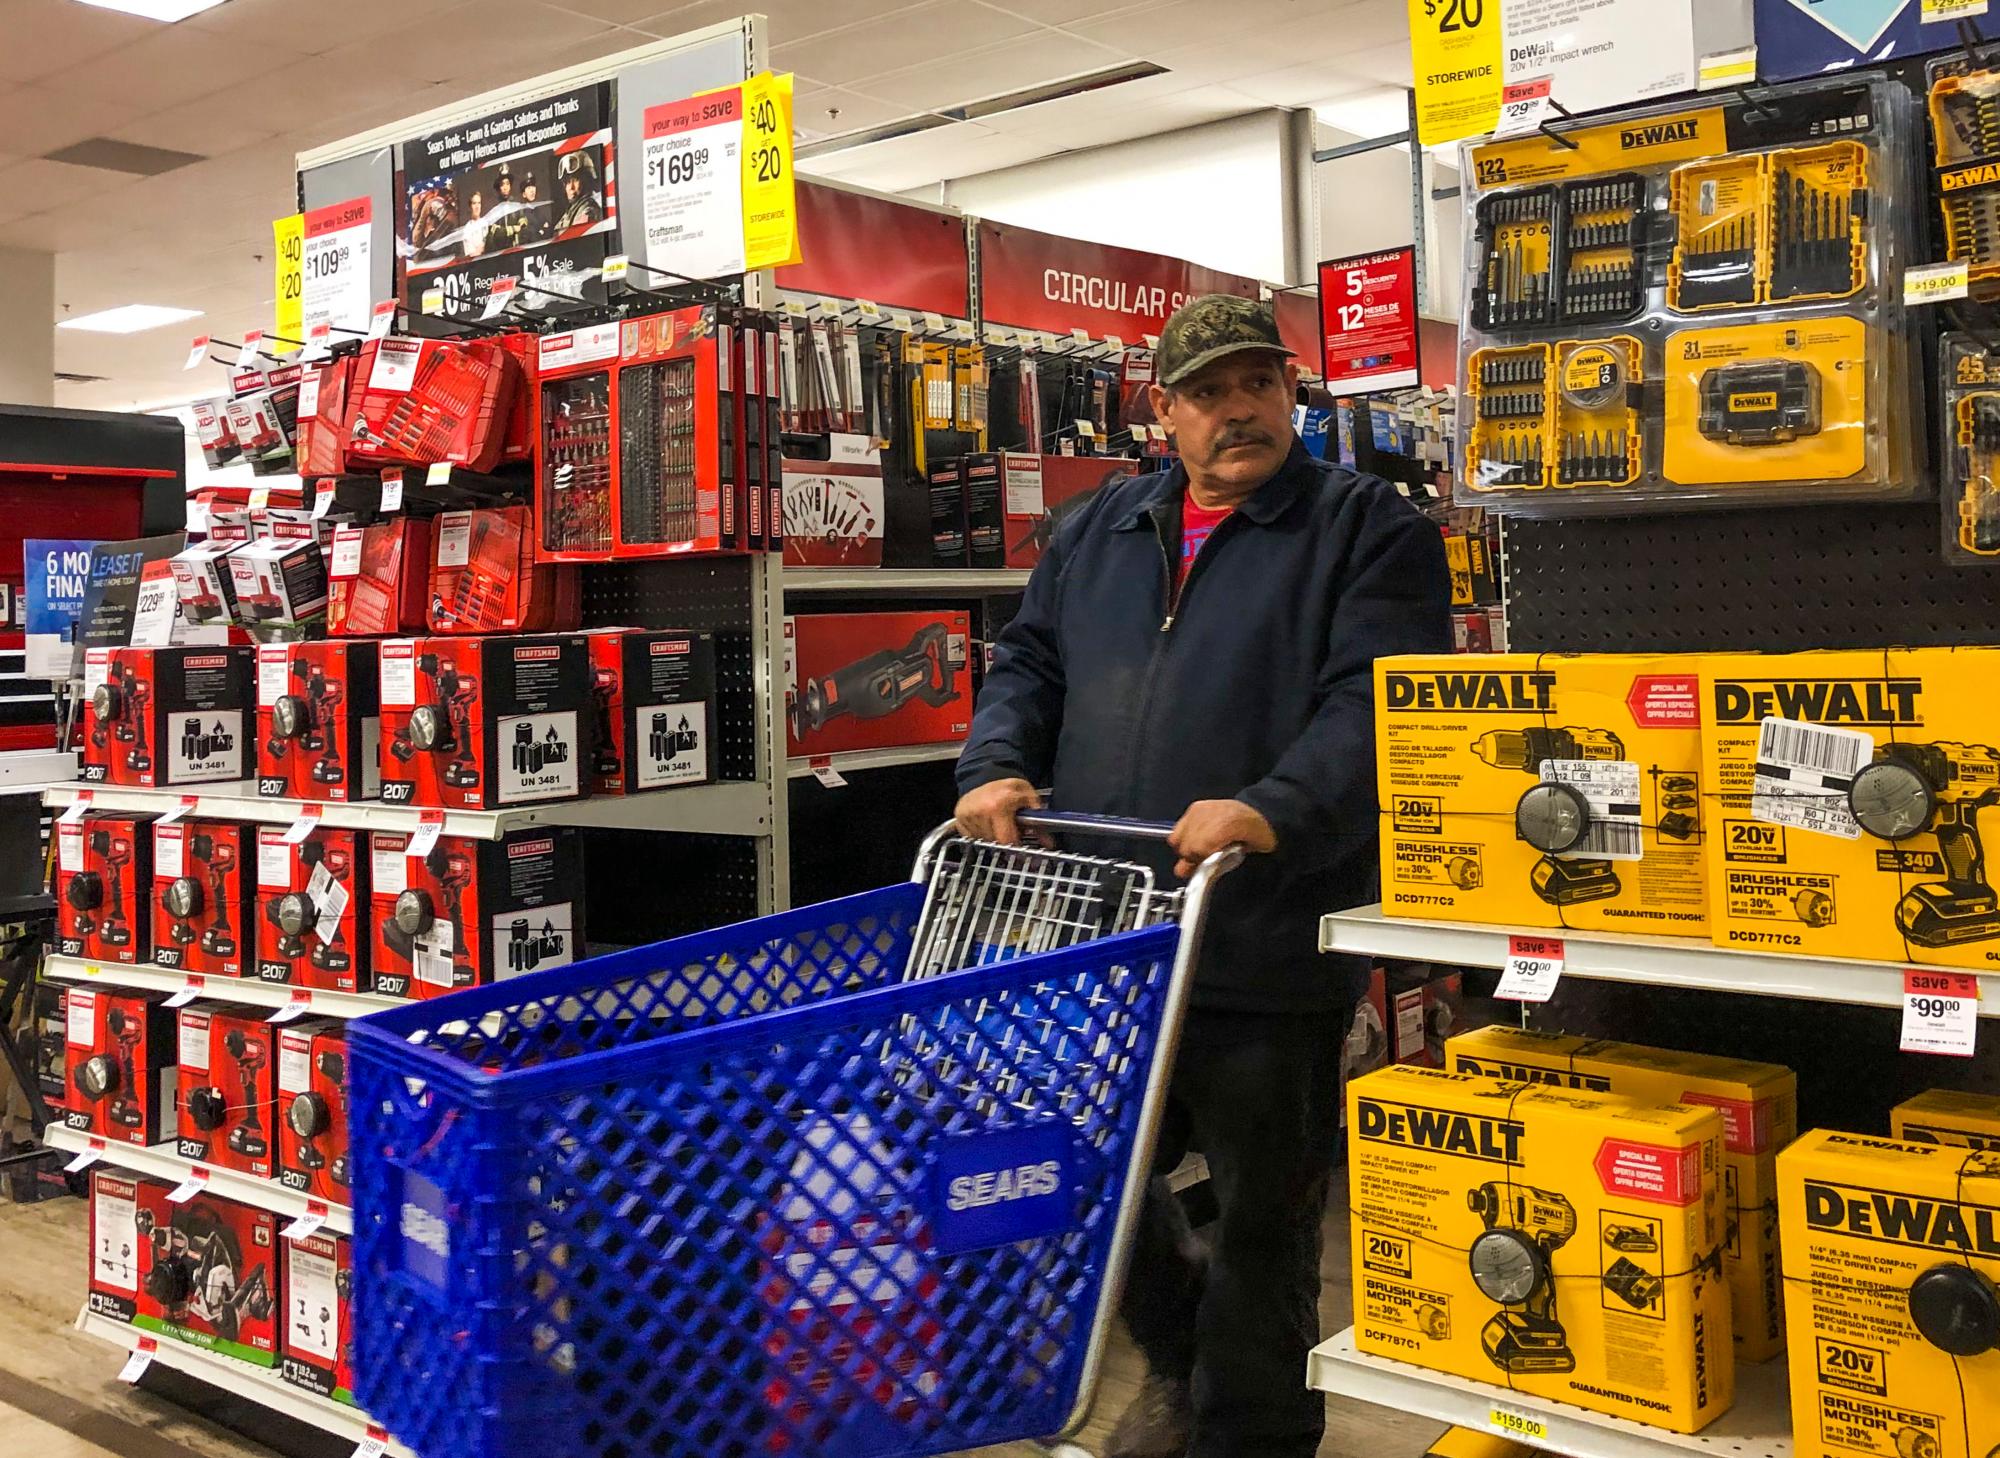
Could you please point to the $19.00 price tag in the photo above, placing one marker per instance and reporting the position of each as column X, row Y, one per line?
column 1940, row 1012
column 1534, row 967
column 1525, row 1426
column 1937, row 283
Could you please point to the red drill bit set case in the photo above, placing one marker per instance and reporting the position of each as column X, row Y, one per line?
column 422, row 401
column 378, row 578
column 485, row 577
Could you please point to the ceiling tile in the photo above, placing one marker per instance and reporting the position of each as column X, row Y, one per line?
column 612, row 12
column 46, row 36
column 489, row 42
column 311, row 30
column 174, row 65
column 211, row 125
column 36, row 186
column 664, row 24
column 812, row 105
column 1011, row 66
column 942, row 28
column 39, row 119
column 1062, row 12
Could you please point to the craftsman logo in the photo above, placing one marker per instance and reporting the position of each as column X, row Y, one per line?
column 207, row 660
column 529, row 848
column 536, row 655
column 1765, row 400
column 1634, row 139
column 1473, row 693
column 1980, row 176
column 1497, row 1141
column 1841, row 1364
column 1883, row 701
column 997, row 1189
column 1528, row 1073
column 1894, row 1219
column 670, row 647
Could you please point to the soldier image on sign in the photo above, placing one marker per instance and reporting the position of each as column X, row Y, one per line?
column 583, row 204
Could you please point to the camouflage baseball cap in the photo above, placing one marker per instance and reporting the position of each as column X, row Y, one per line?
column 1211, row 327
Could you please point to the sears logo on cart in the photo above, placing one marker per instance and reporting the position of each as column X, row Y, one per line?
column 995, row 1189
column 426, row 1232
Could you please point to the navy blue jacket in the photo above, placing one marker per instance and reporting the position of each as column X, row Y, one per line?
column 1256, row 685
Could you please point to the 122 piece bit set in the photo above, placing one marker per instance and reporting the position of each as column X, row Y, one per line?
column 1740, row 257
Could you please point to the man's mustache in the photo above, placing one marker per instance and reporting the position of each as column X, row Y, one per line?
column 1229, row 439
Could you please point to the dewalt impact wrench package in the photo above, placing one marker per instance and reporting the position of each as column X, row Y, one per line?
column 1846, row 793
column 1692, row 304
column 1560, row 1243
column 1542, row 790
column 1969, row 453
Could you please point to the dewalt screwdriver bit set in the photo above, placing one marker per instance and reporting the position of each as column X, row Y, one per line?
column 1969, row 454
column 1965, row 163
column 1690, row 306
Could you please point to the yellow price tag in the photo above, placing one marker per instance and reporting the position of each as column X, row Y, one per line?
column 1456, row 46
column 288, row 237
column 770, row 200
column 1934, row 283
column 1525, row 1426
column 1940, row 10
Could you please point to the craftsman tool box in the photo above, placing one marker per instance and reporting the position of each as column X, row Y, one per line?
column 486, row 576
column 653, row 701
column 228, row 1089
column 468, row 912
column 104, row 884
column 204, row 896
column 318, row 718
column 433, row 400
column 876, row 680
column 311, row 896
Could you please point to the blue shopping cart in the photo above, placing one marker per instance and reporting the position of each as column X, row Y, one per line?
column 855, row 1180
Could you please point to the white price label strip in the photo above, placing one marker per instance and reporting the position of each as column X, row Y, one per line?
column 1534, row 967
column 77, row 810
column 92, row 1152
column 141, row 1358
column 301, row 1002
column 616, row 267
column 306, row 1224
column 187, row 1189
column 374, row 1445
column 306, row 823
column 1517, row 1424
column 196, row 983
column 322, row 499
column 1940, row 1013
column 498, row 299
column 382, row 319
column 430, row 825
column 252, row 342
column 823, row 771
column 185, row 807
column 438, row 474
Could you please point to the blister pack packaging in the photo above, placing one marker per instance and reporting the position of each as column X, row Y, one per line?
column 1965, row 163
column 1693, row 306
column 1969, row 449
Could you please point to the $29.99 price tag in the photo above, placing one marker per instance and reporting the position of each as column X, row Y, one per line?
column 1940, row 1012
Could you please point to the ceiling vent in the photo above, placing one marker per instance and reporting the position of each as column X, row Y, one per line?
column 111, row 155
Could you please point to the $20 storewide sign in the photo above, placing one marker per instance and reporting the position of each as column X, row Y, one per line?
column 719, row 194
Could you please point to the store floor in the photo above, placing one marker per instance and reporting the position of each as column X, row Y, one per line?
column 60, row 1396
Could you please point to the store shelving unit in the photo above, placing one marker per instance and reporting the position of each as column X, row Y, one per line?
column 800, row 768
column 265, row 1388
column 244, row 991
column 1647, row 960
column 907, row 581
column 1759, row 1425
column 162, row 1163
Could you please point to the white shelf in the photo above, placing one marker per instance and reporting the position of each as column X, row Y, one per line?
column 1758, row 1426
column 25, row 770
column 866, row 759
column 720, row 809
column 895, row 581
column 244, row 991
column 162, row 1163
column 263, row 1387
column 1652, row 961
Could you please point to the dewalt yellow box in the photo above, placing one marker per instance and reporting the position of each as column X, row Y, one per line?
column 1471, row 1443
column 1891, row 1252
column 1542, row 791
column 1558, row 1242
column 1846, row 791
column 1969, row 1120
column 1759, row 1107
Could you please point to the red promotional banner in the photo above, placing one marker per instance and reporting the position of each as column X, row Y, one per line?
column 1036, row 280
column 855, row 246
column 1298, row 323
column 1368, row 322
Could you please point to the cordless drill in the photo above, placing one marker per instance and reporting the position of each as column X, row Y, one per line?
column 297, row 716
column 881, row 683
column 310, row 1116
column 443, row 726
column 1510, row 1261
column 1552, row 818
column 127, row 1030
column 247, row 1138
column 327, row 769
column 1911, row 788
column 415, row 912
column 604, row 761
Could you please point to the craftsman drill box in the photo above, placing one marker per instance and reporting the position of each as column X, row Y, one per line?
column 653, row 701
column 1542, row 791
column 318, row 719
column 951, row 544
column 1556, row 1242
column 311, row 896
column 312, row 1110
column 469, row 912
column 208, row 1275
column 104, row 886
column 175, row 716
column 319, row 1331
column 1891, row 1253
column 1942, row 1116
column 379, row 578
column 1846, row 792
column 876, row 680
column 204, row 896
column 1040, row 492
column 1759, row 1106
column 484, row 723
column 93, row 737
column 228, row 1089
column 115, row 1239
column 119, row 1049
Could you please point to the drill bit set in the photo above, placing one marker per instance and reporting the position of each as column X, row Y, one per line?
column 1971, row 410
column 1510, row 406
column 1605, row 227
column 1774, row 227
column 1819, row 205
column 1585, row 431
column 1718, row 213
column 1965, row 133
column 1517, row 234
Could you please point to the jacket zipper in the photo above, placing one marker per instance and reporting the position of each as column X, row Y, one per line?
column 1175, row 598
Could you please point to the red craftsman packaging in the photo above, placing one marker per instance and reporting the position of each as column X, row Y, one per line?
column 116, row 1242
column 485, row 577
column 317, row 718
column 93, row 756
column 324, row 396
column 575, row 443
column 208, row 1275
column 312, row 1109
column 1038, row 492
column 311, row 896
column 834, row 513
column 318, row 1339
column 653, row 705
column 228, row 1090
column 173, row 716
column 119, row 1050
column 203, row 896
column 484, row 723
column 469, row 912
column 432, row 400
column 876, row 680
column 379, row 579
column 104, row 887
column 280, row 577
column 676, row 486
column 203, row 581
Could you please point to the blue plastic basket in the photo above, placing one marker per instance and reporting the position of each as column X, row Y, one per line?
column 752, row 1193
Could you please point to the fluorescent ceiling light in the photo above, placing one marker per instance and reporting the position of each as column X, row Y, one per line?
column 129, row 319
column 166, row 10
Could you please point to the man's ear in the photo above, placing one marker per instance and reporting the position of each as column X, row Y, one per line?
column 1292, row 378
column 1161, row 397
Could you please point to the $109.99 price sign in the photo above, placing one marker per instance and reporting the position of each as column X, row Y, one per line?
column 719, row 195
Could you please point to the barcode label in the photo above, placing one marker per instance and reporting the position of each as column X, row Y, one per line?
column 1605, row 841
column 1803, row 775
column 1617, row 816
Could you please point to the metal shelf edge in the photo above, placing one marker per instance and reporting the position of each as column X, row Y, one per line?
column 892, row 581
column 161, row 1162
column 800, row 767
column 244, row 991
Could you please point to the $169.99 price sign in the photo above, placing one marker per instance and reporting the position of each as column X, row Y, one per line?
column 719, row 196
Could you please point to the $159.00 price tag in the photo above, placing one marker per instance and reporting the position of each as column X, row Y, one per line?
column 1534, row 967
column 1940, row 1012
column 1523, row 1425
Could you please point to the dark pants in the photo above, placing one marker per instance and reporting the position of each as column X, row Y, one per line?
column 1259, row 1096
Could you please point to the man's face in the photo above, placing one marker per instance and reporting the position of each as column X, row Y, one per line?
column 572, row 185
column 506, row 186
column 1233, row 420
column 528, row 190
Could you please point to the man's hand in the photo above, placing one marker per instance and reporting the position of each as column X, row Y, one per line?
column 1212, row 825
column 987, row 813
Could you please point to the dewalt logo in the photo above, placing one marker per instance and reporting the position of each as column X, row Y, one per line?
column 1495, row 1140
column 1880, row 701
column 1764, row 400
column 1637, row 139
column 1965, row 177
column 1903, row 1220
column 1474, row 693
column 1528, row 1073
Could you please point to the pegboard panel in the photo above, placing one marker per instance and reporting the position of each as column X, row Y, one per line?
column 710, row 594
column 1769, row 579
column 646, row 886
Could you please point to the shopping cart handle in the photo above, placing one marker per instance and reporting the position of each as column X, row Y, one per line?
column 1093, row 824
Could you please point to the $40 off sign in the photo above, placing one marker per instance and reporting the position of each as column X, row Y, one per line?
column 719, row 197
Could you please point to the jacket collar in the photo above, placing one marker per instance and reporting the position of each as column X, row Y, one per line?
column 1162, row 502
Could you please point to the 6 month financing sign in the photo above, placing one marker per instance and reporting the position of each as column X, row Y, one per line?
column 1368, row 322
